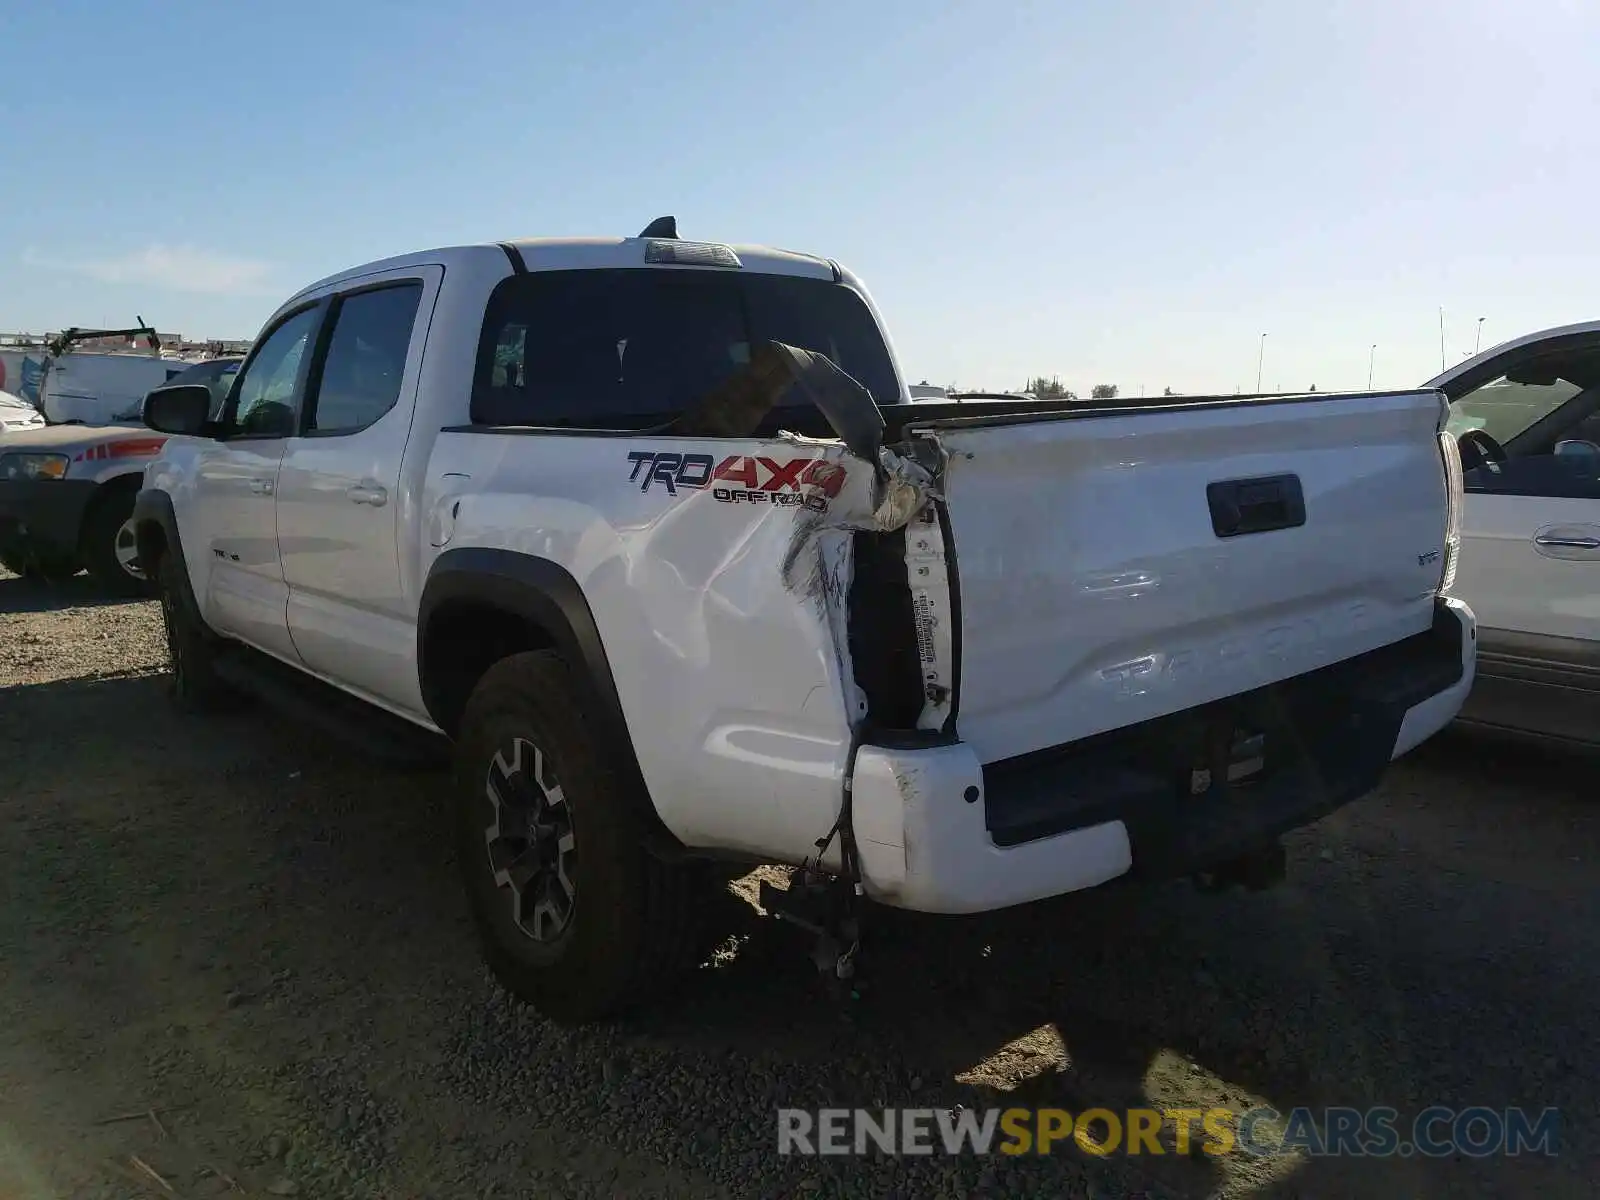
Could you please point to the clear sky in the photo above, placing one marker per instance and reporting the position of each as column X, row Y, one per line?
column 1108, row 190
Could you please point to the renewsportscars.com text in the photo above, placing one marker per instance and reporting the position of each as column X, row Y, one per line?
column 1436, row 1132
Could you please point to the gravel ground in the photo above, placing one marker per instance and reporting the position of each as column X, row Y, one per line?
column 248, row 944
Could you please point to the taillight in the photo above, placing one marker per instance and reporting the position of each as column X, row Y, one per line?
column 1455, row 498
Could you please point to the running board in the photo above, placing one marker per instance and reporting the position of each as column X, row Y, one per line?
column 372, row 731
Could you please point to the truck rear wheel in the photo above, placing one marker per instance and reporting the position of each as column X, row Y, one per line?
column 574, row 915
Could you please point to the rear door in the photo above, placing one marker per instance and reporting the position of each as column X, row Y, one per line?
column 231, row 517
column 339, row 491
column 1530, row 558
column 1530, row 561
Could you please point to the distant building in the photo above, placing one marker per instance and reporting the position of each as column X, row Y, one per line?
column 175, row 343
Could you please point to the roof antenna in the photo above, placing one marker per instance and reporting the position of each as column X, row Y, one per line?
column 662, row 227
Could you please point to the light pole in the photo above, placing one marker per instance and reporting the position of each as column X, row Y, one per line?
column 1478, row 341
column 1261, row 357
column 1372, row 355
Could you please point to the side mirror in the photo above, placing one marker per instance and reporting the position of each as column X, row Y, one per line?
column 183, row 409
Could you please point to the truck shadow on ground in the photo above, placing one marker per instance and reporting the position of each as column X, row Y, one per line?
column 1381, row 974
column 28, row 595
column 1374, row 978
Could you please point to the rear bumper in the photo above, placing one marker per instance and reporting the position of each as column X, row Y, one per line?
column 43, row 515
column 940, row 832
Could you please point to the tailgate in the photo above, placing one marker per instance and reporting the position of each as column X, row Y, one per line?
column 1098, row 585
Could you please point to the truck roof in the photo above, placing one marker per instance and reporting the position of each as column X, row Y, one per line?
column 1471, row 365
column 591, row 253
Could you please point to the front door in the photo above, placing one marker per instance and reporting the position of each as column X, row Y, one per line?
column 340, row 491
column 1531, row 565
column 1530, row 553
column 234, row 497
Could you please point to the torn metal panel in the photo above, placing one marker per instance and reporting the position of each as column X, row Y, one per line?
column 847, row 405
column 902, row 488
column 737, row 406
column 836, row 568
column 819, row 566
column 894, row 491
column 899, row 492
column 906, row 488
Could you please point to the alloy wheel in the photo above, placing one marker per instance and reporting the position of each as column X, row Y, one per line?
column 531, row 849
column 126, row 548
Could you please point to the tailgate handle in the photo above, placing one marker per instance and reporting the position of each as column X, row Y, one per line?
column 1240, row 506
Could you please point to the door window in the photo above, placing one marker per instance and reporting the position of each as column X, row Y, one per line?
column 1503, row 409
column 366, row 358
column 1555, row 460
column 267, row 400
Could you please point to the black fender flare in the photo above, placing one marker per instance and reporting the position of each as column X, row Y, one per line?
column 155, row 524
column 546, row 595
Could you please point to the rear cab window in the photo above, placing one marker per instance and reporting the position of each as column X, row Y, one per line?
column 621, row 348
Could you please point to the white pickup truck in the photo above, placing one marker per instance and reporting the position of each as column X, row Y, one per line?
column 650, row 530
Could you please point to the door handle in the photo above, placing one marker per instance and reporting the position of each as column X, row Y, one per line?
column 261, row 487
column 368, row 493
column 1567, row 543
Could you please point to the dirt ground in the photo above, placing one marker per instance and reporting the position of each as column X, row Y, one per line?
column 233, row 960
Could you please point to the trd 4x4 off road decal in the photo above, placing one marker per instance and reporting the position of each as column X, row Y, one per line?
column 741, row 478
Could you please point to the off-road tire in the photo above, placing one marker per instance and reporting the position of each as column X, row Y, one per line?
column 97, row 546
column 636, row 922
column 192, row 682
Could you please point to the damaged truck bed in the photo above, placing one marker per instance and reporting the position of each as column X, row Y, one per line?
column 950, row 656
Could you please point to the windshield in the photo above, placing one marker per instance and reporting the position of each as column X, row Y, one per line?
column 1503, row 409
column 592, row 346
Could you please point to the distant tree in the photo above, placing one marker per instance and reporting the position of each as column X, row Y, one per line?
column 1049, row 389
column 1104, row 391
